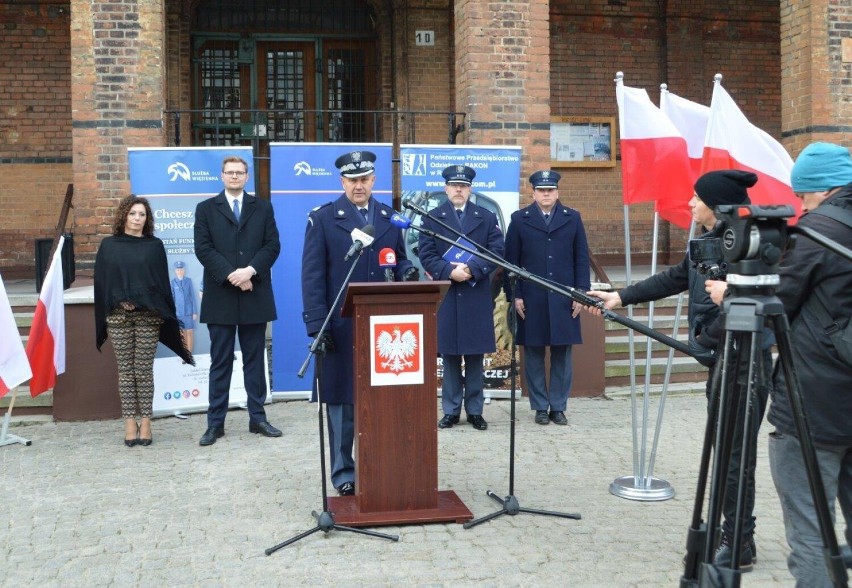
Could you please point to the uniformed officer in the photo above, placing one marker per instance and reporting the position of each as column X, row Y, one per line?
column 327, row 240
column 549, row 240
column 466, row 316
column 186, row 304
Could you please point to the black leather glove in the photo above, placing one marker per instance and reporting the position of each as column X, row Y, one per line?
column 326, row 343
column 412, row 274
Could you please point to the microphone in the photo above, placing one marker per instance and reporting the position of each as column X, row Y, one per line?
column 400, row 221
column 387, row 260
column 360, row 239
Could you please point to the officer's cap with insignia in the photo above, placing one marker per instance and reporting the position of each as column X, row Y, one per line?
column 459, row 174
column 546, row 179
column 179, row 264
column 356, row 164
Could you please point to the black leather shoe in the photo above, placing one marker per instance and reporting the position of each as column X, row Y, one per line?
column 211, row 434
column 264, row 429
column 748, row 553
column 558, row 417
column 346, row 489
column 145, row 442
column 477, row 421
column 541, row 417
column 448, row 421
column 131, row 442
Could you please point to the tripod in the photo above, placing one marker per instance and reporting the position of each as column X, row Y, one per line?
column 318, row 349
column 752, row 306
column 510, row 505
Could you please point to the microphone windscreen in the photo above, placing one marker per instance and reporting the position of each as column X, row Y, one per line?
column 400, row 221
column 387, row 257
column 370, row 230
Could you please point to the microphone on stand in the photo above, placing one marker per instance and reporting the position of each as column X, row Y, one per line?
column 360, row 239
column 387, row 260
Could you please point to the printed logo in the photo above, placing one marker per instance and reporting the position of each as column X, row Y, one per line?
column 186, row 393
column 178, row 170
column 167, row 395
column 396, row 348
column 414, row 164
column 302, row 167
column 195, row 392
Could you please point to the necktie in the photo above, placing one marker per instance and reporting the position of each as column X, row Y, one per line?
column 363, row 213
column 459, row 212
column 237, row 209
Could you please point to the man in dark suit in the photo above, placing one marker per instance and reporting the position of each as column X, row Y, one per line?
column 549, row 240
column 466, row 315
column 236, row 241
column 328, row 238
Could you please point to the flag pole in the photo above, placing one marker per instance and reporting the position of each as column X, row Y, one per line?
column 5, row 438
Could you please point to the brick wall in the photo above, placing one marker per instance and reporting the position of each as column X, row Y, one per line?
column 118, row 98
column 35, row 127
column 593, row 39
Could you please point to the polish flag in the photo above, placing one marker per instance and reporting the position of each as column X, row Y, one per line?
column 732, row 142
column 14, row 366
column 690, row 119
column 46, row 343
column 654, row 160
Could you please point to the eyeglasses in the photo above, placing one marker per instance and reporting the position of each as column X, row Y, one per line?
column 238, row 174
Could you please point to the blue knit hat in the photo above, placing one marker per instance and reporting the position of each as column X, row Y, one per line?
column 821, row 167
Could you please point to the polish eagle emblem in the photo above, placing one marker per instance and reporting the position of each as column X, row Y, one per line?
column 396, row 347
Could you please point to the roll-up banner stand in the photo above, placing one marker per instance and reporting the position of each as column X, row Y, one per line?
column 303, row 176
column 175, row 181
column 495, row 187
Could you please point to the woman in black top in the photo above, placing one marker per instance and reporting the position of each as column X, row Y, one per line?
column 135, row 308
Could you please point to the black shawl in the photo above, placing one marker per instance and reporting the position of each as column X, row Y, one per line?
column 135, row 270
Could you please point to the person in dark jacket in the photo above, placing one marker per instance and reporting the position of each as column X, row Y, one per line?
column 548, row 239
column 328, row 237
column 809, row 274
column 466, row 315
column 134, row 307
column 705, row 330
column 236, row 240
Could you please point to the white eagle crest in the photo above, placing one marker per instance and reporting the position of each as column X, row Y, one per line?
column 396, row 349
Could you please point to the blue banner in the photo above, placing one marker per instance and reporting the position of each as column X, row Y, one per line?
column 174, row 181
column 304, row 177
column 495, row 187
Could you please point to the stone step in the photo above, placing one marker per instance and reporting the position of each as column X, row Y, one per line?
column 680, row 365
column 23, row 320
column 25, row 400
column 621, row 343
column 655, row 390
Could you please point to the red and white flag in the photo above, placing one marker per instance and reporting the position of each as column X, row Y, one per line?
column 46, row 343
column 654, row 159
column 690, row 119
column 732, row 142
column 14, row 367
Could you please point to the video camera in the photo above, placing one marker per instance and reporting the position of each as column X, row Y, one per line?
column 752, row 242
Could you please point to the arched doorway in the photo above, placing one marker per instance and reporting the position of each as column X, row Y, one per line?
column 272, row 70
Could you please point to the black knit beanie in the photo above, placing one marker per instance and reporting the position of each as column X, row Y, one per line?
column 727, row 186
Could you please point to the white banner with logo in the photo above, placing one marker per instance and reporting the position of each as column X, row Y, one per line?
column 174, row 181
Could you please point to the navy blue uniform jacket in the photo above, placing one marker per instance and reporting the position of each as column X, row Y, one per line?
column 221, row 245
column 466, row 316
column 327, row 239
column 558, row 252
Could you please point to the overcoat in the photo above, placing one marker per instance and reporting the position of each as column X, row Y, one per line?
column 558, row 252
column 327, row 239
column 466, row 315
column 222, row 245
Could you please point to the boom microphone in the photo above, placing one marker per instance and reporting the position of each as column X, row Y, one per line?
column 360, row 239
column 400, row 221
column 387, row 260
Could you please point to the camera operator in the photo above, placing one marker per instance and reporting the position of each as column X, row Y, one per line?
column 705, row 331
column 812, row 276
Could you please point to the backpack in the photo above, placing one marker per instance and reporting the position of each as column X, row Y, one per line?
column 839, row 334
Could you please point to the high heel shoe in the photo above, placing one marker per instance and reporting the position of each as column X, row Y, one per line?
column 142, row 441
column 132, row 442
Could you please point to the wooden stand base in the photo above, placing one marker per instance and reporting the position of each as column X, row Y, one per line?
column 450, row 509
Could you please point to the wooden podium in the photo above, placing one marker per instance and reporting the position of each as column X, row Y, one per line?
column 396, row 431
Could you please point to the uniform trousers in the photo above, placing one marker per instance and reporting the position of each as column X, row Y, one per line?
column 341, row 436
column 457, row 387
column 134, row 335
column 555, row 397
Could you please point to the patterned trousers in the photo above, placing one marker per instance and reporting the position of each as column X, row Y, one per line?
column 134, row 335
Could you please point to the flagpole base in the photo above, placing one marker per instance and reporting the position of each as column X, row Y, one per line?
column 10, row 439
column 647, row 490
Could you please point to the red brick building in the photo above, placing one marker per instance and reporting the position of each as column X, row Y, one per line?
column 83, row 80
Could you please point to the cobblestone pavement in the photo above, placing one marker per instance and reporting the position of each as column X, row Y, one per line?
column 83, row 510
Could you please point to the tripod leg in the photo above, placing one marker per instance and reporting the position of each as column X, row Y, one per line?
column 275, row 548
column 367, row 532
